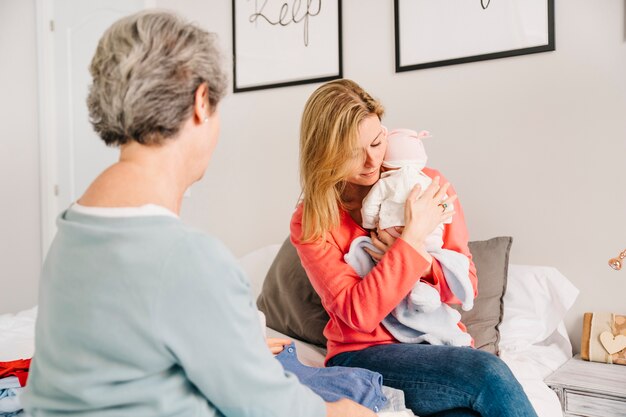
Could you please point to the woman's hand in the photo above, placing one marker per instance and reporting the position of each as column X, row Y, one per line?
column 347, row 408
column 277, row 345
column 423, row 212
column 382, row 241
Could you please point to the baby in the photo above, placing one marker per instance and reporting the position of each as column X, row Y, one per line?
column 383, row 207
column 422, row 316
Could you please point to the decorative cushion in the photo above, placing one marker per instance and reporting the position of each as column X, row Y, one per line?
column 292, row 306
column 491, row 258
column 288, row 300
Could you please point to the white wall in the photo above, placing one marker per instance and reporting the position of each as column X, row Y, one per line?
column 20, row 251
column 534, row 144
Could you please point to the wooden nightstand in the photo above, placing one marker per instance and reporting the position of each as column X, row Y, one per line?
column 590, row 389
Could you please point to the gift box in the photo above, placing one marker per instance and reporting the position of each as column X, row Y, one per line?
column 604, row 338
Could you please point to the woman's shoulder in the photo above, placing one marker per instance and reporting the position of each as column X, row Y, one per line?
column 202, row 261
column 295, row 225
column 194, row 245
column 297, row 213
column 346, row 227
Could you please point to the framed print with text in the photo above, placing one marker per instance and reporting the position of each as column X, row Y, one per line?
column 279, row 43
column 434, row 33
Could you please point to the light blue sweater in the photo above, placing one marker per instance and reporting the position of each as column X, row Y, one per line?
column 142, row 316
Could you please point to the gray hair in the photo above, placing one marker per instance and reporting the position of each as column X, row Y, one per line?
column 146, row 70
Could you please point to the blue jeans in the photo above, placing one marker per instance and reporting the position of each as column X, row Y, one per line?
column 444, row 380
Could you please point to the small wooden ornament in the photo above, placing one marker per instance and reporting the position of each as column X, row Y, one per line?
column 612, row 344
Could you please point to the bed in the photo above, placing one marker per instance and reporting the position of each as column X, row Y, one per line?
column 533, row 339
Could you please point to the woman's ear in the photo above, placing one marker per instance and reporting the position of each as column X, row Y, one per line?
column 201, row 107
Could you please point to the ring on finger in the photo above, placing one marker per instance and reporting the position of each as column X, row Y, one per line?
column 443, row 206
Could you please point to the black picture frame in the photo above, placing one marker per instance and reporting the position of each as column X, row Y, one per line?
column 278, row 15
column 401, row 66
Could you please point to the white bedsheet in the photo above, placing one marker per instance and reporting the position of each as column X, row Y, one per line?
column 17, row 335
column 534, row 363
column 528, row 373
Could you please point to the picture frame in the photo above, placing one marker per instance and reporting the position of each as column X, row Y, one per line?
column 448, row 32
column 280, row 43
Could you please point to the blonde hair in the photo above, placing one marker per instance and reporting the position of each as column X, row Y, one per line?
column 145, row 72
column 328, row 139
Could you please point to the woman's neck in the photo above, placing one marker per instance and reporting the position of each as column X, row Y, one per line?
column 152, row 175
column 352, row 199
column 353, row 195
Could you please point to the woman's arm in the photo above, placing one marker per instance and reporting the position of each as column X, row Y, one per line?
column 363, row 303
column 455, row 237
column 359, row 303
column 206, row 322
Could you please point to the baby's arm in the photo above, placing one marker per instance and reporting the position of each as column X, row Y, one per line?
column 371, row 205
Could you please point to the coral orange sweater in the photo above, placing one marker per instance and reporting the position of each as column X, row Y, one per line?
column 357, row 306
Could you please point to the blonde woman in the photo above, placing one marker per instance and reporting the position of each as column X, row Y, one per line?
column 342, row 144
column 140, row 315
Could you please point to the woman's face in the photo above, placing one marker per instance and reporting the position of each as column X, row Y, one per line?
column 372, row 143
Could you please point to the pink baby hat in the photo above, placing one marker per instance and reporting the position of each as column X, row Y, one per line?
column 405, row 147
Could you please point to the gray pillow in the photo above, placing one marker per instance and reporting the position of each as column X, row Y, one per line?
column 491, row 258
column 288, row 300
column 292, row 306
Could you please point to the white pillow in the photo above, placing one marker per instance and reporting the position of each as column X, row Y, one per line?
column 17, row 335
column 535, row 302
column 256, row 264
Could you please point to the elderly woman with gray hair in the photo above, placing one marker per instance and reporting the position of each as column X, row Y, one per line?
column 140, row 315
